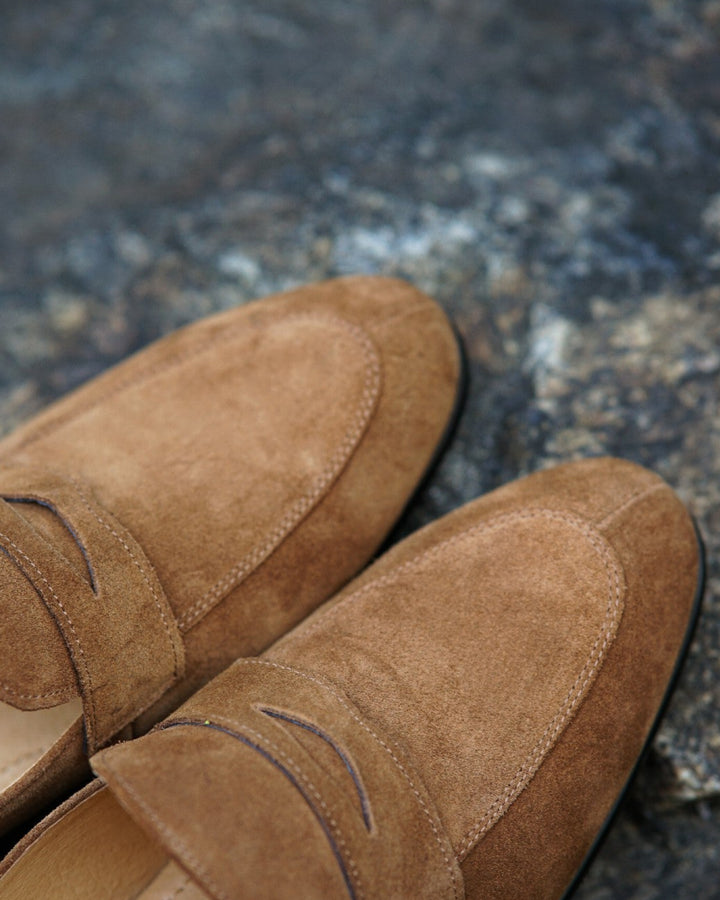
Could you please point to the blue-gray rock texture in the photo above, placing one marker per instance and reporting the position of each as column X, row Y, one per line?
column 550, row 172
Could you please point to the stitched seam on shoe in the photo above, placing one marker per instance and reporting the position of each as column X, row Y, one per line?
column 496, row 810
column 419, row 306
column 567, row 708
column 146, row 578
column 381, row 742
column 244, row 729
column 88, row 700
column 303, row 506
column 283, row 719
column 32, row 497
column 338, row 461
column 321, row 618
column 66, row 693
column 176, row 843
column 632, row 499
column 151, row 370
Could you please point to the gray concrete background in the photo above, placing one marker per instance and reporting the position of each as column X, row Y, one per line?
column 548, row 171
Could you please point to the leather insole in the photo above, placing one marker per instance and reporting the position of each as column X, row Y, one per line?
column 26, row 736
column 97, row 852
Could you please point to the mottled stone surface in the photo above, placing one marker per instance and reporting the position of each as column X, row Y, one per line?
column 549, row 171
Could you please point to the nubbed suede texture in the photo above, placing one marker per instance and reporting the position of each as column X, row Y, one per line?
column 457, row 722
column 193, row 504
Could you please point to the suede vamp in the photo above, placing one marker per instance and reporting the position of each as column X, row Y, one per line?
column 191, row 505
column 508, row 662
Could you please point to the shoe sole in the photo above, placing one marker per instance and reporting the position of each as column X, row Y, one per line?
column 682, row 655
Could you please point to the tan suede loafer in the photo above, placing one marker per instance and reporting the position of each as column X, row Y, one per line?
column 194, row 503
column 458, row 722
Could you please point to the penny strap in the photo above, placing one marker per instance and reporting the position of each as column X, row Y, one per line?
column 271, row 777
column 116, row 622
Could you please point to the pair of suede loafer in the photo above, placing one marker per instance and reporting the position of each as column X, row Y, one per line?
column 178, row 539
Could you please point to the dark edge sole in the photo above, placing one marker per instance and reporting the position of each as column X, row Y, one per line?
column 674, row 678
column 396, row 533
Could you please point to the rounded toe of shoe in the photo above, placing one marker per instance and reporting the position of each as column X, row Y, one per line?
column 650, row 530
column 649, row 540
column 420, row 351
